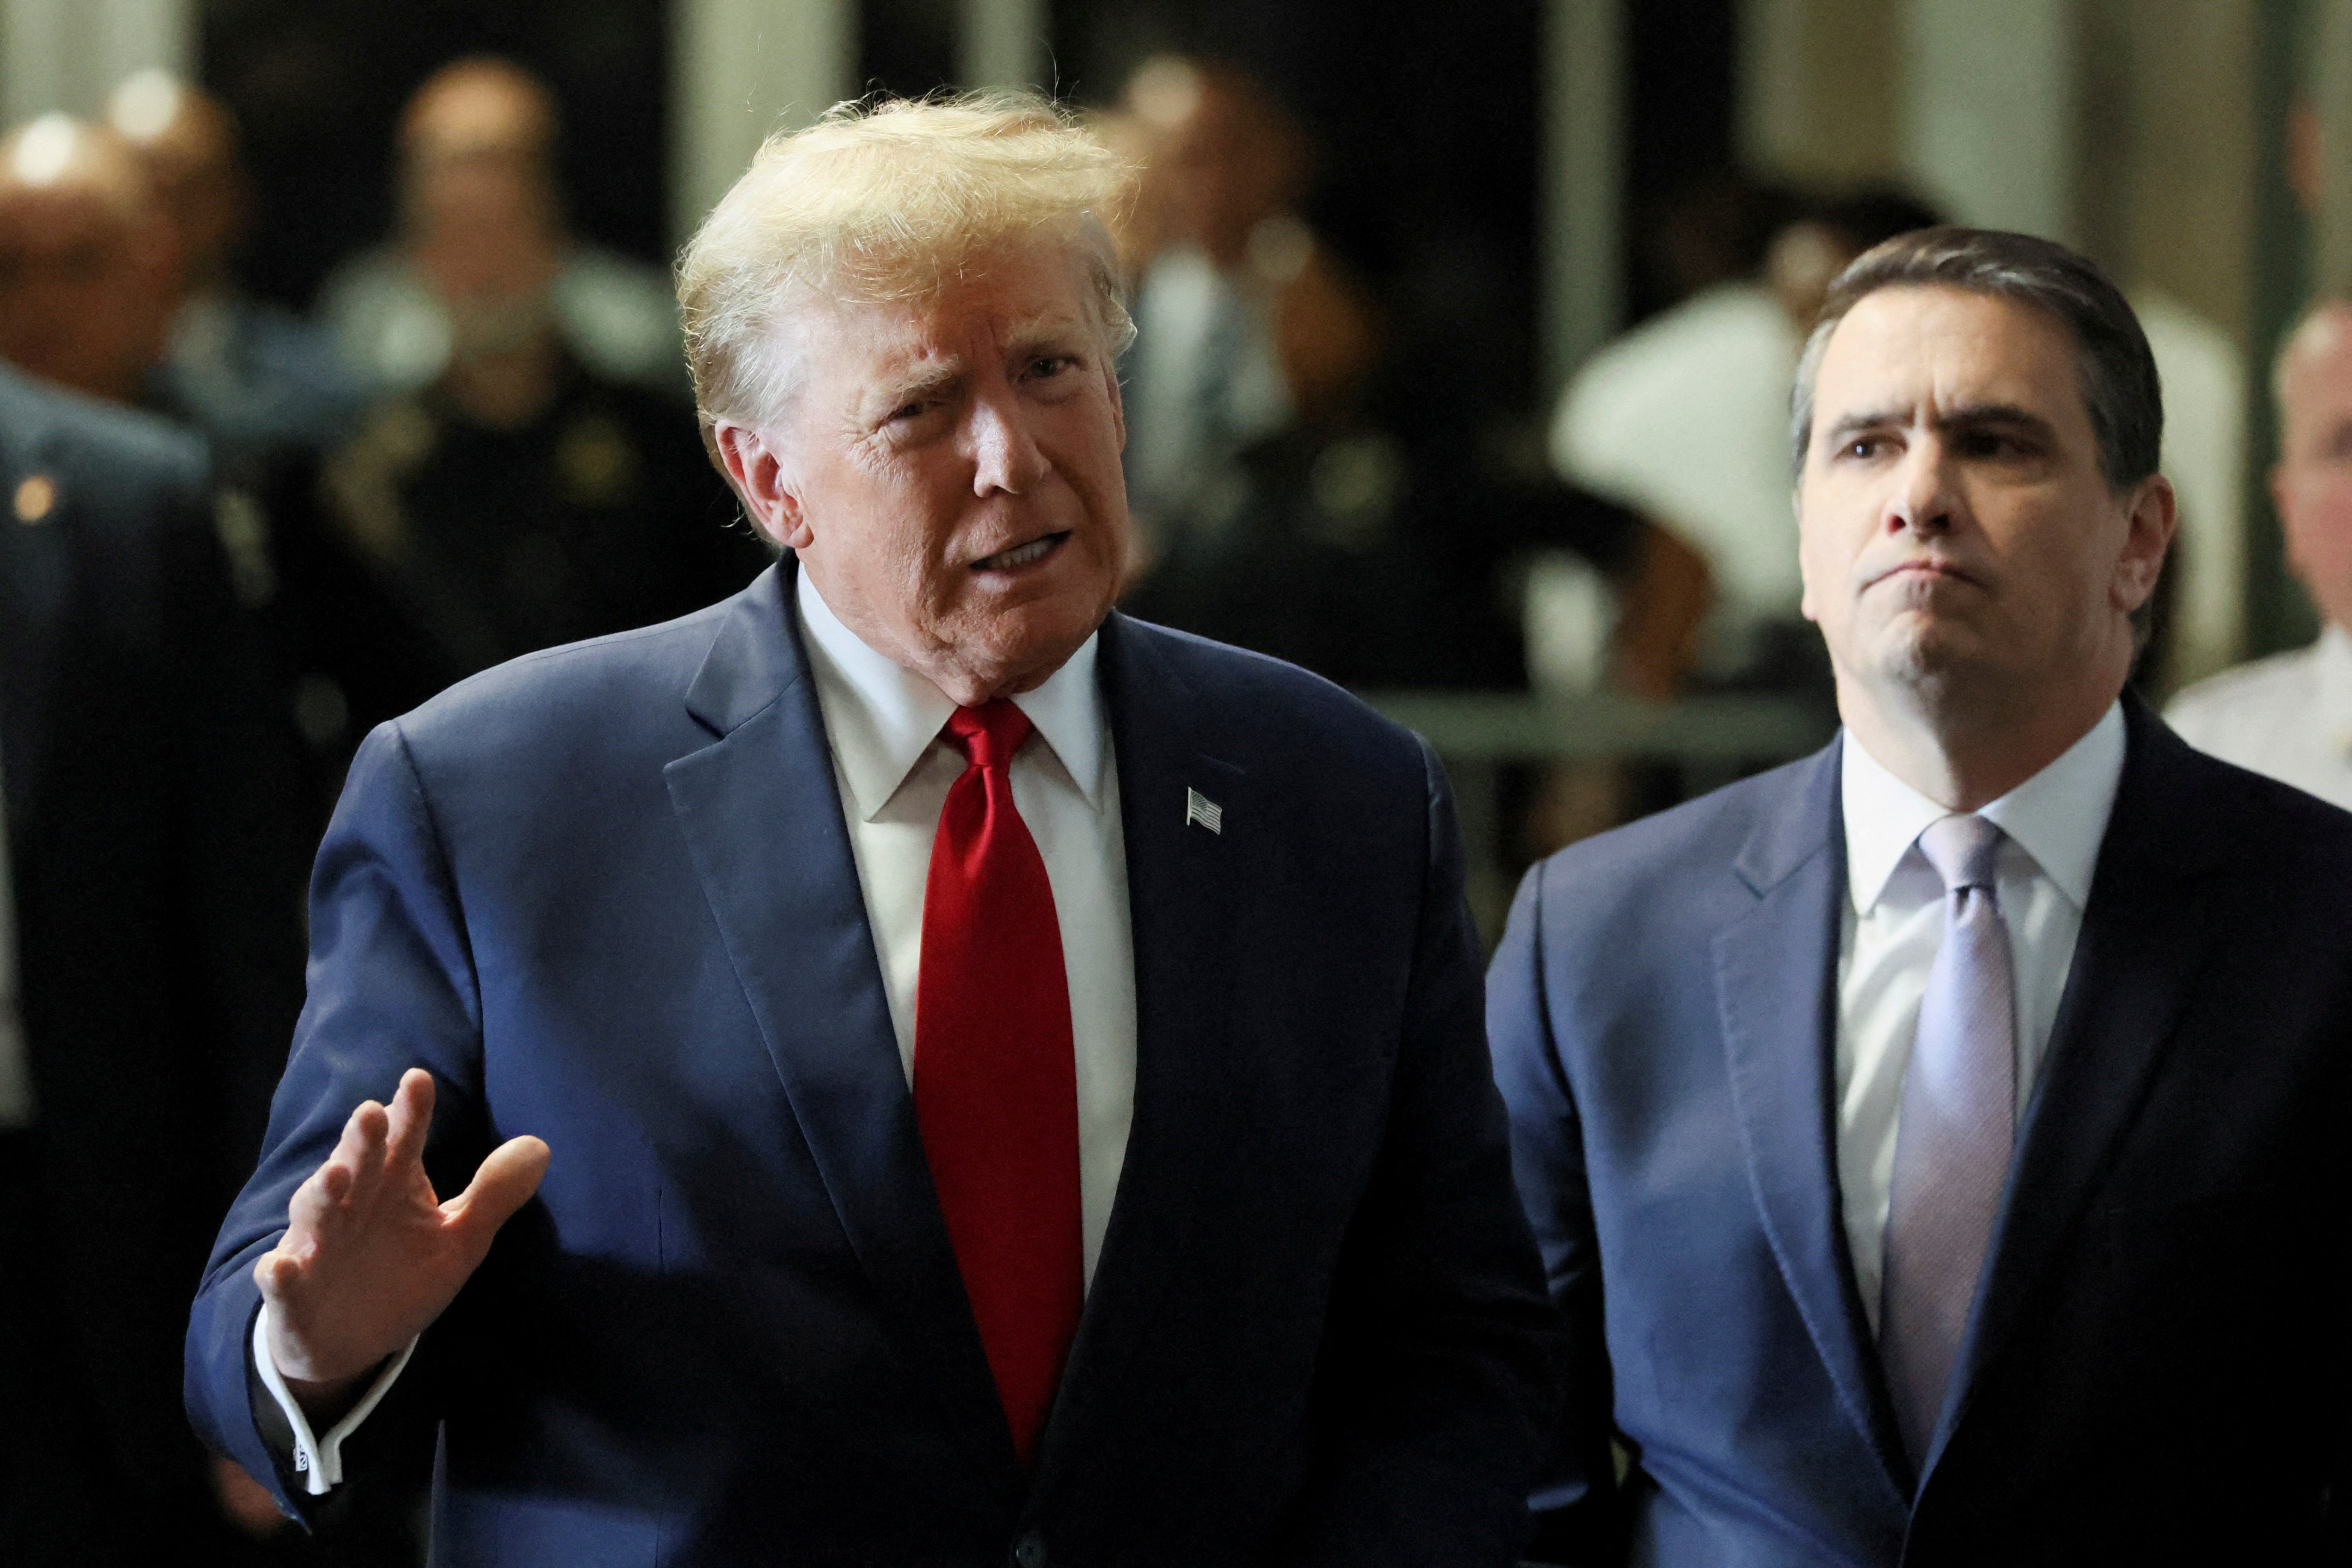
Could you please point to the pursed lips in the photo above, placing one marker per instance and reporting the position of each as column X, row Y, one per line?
column 1924, row 566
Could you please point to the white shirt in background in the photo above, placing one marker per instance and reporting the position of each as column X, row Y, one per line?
column 1686, row 420
column 2204, row 376
column 2289, row 716
column 1894, row 925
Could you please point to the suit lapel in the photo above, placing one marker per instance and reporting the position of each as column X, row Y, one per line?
column 1776, row 987
column 1182, row 885
column 2145, row 934
column 762, row 820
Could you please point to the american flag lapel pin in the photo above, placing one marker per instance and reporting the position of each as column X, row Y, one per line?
column 1200, row 810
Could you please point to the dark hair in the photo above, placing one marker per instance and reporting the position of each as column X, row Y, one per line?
column 2119, row 381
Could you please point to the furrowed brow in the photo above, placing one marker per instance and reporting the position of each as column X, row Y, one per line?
column 1996, row 416
column 1043, row 331
column 922, row 378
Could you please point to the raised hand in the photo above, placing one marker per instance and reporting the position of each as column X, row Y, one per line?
column 370, row 1257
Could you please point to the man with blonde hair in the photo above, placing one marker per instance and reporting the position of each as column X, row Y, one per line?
column 805, row 978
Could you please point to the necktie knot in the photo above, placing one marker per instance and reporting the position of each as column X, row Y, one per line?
column 990, row 733
column 1963, row 850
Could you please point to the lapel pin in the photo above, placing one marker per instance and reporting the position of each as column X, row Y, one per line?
column 36, row 499
column 1200, row 809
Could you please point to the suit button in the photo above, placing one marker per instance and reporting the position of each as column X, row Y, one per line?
column 1029, row 1552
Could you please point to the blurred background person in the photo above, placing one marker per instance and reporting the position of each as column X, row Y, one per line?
column 1246, row 324
column 2290, row 715
column 527, row 493
column 2199, row 613
column 150, row 959
column 478, row 146
column 253, row 377
column 518, row 501
column 1292, row 503
column 88, row 263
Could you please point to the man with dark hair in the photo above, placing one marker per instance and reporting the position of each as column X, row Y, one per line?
column 1936, row 1142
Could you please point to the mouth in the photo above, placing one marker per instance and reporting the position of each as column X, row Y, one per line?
column 1022, row 555
column 1923, row 569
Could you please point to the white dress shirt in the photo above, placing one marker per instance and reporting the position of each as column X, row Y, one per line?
column 1894, row 924
column 884, row 724
column 2289, row 716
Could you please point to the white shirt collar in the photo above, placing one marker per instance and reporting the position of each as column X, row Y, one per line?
column 2058, row 817
column 883, row 717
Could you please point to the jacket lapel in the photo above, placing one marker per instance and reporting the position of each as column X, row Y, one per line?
column 762, row 820
column 1776, row 988
column 2145, row 934
column 1182, row 884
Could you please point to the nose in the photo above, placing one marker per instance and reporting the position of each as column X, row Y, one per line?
column 1004, row 454
column 1923, row 499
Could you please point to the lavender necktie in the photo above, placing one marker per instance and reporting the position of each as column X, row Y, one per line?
column 1957, row 1125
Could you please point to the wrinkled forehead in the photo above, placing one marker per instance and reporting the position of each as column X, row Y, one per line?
column 1913, row 346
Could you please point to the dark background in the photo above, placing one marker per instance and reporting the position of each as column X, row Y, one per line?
column 1427, row 120
column 318, row 86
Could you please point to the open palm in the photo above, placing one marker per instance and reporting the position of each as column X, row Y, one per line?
column 370, row 1255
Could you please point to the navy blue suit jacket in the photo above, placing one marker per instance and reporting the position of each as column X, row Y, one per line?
column 2157, row 1367
column 606, row 895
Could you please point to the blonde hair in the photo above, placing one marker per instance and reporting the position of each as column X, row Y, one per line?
column 880, row 202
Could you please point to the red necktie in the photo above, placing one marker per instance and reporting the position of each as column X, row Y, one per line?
column 995, row 1083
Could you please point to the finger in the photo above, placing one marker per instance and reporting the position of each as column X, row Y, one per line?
column 333, row 1186
column 276, row 1274
column 315, row 1206
column 504, row 1184
column 365, row 1162
column 352, row 1145
column 408, row 1119
column 360, row 1148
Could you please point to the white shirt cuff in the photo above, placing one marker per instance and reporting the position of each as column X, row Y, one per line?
column 319, row 1457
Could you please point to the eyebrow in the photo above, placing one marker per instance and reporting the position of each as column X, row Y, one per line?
column 1970, row 417
column 923, row 377
column 928, row 374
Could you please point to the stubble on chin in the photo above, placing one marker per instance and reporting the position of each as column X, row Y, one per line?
column 1918, row 656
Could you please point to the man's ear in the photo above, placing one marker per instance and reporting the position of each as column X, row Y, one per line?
column 757, row 471
column 2154, row 516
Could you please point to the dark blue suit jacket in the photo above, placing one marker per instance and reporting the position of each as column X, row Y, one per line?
column 150, row 797
column 605, row 894
column 2157, row 1368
